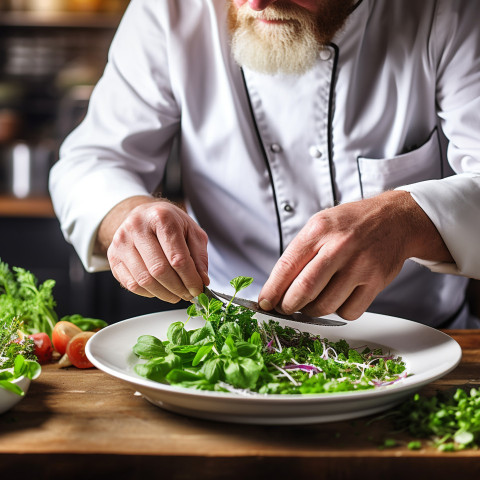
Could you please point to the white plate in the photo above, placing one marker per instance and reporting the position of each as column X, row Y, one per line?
column 428, row 353
column 9, row 399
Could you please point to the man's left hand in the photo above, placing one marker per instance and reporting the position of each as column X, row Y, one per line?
column 345, row 255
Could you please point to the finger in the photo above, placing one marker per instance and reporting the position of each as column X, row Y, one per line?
column 357, row 303
column 197, row 244
column 178, row 254
column 125, row 279
column 287, row 268
column 333, row 296
column 137, row 278
column 311, row 281
column 154, row 271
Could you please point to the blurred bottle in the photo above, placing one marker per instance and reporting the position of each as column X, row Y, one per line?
column 26, row 167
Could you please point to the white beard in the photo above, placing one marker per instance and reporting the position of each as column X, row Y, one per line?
column 290, row 48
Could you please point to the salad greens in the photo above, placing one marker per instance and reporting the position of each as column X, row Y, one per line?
column 449, row 422
column 232, row 352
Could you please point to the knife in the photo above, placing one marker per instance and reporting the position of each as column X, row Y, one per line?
column 251, row 305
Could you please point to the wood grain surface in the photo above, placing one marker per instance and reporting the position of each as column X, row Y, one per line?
column 85, row 424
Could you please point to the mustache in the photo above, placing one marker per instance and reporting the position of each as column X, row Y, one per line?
column 275, row 11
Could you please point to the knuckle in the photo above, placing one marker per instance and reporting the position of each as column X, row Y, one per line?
column 200, row 235
column 158, row 270
column 145, row 280
column 131, row 224
column 203, row 237
column 287, row 262
column 132, row 286
column 307, row 285
column 178, row 261
column 314, row 227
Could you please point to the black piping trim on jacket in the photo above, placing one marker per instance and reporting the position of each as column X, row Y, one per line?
column 330, row 115
column 267, row 163
column 330, row 124
column 440, row 149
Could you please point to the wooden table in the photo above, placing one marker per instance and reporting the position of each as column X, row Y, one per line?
column 84, row 424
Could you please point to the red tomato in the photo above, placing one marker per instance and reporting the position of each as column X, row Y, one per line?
column 76, row 350
column 43, row 347
column 63, row 331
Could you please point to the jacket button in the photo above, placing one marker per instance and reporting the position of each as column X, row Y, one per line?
column 314, row 151
column 275, row 148
column 287, row 207
column 325, row 54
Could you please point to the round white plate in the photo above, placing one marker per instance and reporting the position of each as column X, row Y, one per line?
column 428, row 353
column 9, row 399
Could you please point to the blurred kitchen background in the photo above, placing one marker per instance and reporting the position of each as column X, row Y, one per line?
column 52, row 52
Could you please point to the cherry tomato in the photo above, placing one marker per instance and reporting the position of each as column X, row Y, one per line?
column 63, row 331
column 76, row 350
column 43, row 347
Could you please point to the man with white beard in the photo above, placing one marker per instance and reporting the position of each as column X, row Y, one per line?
column 329, row 149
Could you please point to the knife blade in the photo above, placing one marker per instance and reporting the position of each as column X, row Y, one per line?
column 251, row 305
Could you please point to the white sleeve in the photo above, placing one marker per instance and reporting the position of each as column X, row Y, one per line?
column 453, row 203
column 121, row 147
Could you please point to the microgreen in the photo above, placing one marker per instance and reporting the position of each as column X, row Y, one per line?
column 233, row 352
column 450, row 422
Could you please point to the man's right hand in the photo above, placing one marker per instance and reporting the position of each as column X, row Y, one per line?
column 155, row 249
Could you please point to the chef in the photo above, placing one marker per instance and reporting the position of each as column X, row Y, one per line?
column 330, row 149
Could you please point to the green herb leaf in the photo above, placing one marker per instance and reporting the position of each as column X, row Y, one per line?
column 239, row 283
column 148, row 346
column 157, row 368
column 177, row 334
column 202, row 354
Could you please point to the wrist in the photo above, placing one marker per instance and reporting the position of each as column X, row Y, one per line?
column 422, row 240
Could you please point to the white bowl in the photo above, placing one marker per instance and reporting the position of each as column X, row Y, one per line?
column 9, row 399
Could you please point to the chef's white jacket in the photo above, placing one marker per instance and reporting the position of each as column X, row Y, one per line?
column 393, row 101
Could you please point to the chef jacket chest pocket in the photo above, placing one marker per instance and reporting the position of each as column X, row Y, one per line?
column 423, row 163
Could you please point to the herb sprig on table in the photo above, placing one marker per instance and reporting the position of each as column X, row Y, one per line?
column 232, row 352
column 448, row 421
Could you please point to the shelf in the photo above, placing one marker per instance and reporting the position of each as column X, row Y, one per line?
column 97, row 20
column 26, row 207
